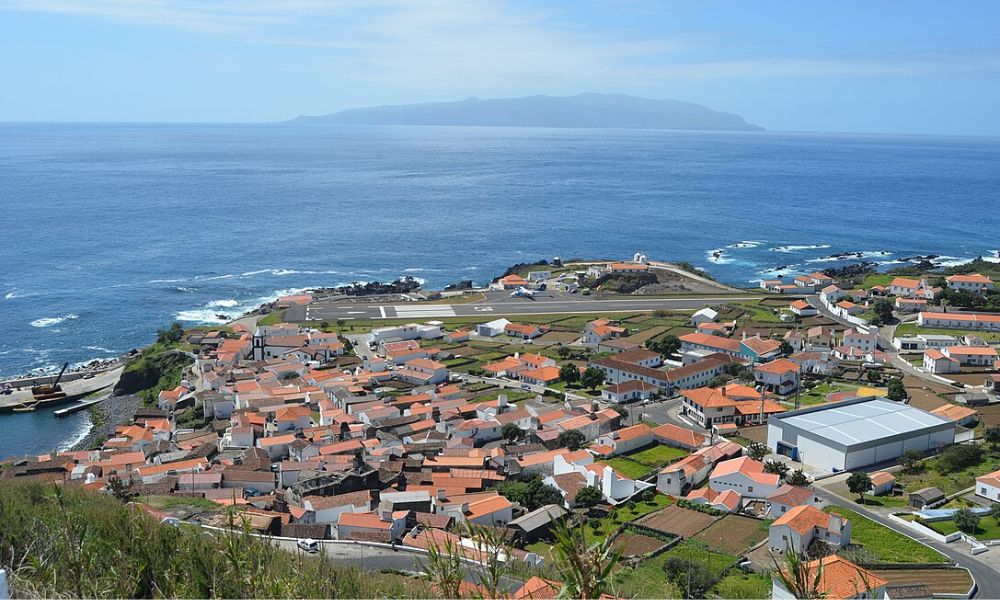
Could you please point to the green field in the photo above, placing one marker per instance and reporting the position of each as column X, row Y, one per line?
column 876, row 279
column 817, row 395
column 885, row 544
column 989, row 528
column 640, row 463
column 949, row 483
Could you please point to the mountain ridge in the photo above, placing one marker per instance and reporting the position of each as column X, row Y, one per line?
column 586, row 110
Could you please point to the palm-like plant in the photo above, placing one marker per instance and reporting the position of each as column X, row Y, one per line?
column 586, row 569
column 796, row 575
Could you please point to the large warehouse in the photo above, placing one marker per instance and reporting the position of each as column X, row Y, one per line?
column 856, row 433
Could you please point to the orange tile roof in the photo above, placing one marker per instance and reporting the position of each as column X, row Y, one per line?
column 537, row 588
column 712, row 341
column 747, row 467
column 802, row 519
column 545, row 374
column 633, row 432
column 778, row 367
column 840, row 578
column 681, row 435
column 953, row 412
column 974, row 278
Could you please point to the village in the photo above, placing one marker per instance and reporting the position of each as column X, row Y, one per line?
column 856, row 422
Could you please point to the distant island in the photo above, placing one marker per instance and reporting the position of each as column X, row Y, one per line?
column 587, row 110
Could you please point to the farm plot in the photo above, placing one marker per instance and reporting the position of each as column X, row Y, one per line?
column 734, row 534
column 678, row 520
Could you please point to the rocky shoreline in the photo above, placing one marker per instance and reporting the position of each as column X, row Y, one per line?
column 106, row 416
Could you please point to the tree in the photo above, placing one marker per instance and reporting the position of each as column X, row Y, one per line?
column 897, row 391
column 995, row 510
column 174, row 333
column 621, row 410
column 589, row 496
column 958, row 457
column 991, row 435
column 667, row 345
column 530, row 494
column 797, row 478
column 776, row 466
column 785, row 348
column 563, row 352
column 693, row 578
column 718, row 381
column 121, row 489
column 912, row 461
column 511, row 432
column 858, row 483
column 756, row 451
column 592, row 378
column 649, row 496
column 569, row 373
column 571, row 439
column 586, row 570
column 883, row 312
column 966, row 520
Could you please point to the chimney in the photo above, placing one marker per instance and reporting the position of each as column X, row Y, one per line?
column 836, row 523
column 465, row 507
column 744, row 335
column 441, row 495
column 517, row 355
column 594, row 407
column 723, row 390
column 502, row 401
column 386, row 515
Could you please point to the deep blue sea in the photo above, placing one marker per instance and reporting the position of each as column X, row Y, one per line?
column 108, row 231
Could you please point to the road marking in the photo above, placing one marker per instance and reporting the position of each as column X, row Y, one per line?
column 483, row 308
column 418, row 311
column 381, row 309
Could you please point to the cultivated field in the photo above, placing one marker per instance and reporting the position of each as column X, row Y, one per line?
column 941, row 581
column 678, row 521
column 636, row 544
column 734, row 534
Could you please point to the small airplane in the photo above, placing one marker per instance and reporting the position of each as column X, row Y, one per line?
column 522, row 293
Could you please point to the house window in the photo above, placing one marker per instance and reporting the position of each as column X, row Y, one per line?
column 750, row 489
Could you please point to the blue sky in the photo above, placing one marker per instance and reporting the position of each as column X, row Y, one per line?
column 873, row 66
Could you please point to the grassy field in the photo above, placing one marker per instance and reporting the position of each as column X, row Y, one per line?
column 743, row 586
column 885, row 544
column 734, row 534
column 649, row 581
column 874, row 279
column 818, row 394
column 758, row 313
column 642, row 462
column 628, row 468
column 172, row 501
column 949, row 483
column 989, row 528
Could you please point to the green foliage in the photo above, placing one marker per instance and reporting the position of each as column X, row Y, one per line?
column 172, row 334
column 530, row 494
column 569, row 372
column 991, row 435
column 589, row 496
column 859, row 482
column 958, row 457
column 896, row 389
column 912, row 461
column 571, row 439
column 785, row 348
column 797, row 478
column 592, row 378
column 776, row 466
column 882, row 310
column 966, row 520
column 666, row 345
column 690, row 268
column 692, row 578
column 586, row 569
column 71, row 542
column 702, row 508
column 756, row 451
column 511, row 432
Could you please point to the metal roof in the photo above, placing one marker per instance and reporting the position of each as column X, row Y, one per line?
column 862, row 422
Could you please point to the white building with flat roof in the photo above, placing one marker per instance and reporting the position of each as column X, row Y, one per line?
column 856, row 433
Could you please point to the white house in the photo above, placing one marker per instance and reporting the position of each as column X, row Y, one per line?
column 327, row 509
column 935, row 361
column 975, row 283
column 614, row 488
column 629, row 391
column 972, row 356
column 963, row 320
column 385, row 526
column 788, row 497
column 803, row 309
column 744, row 475
column 800, row 526
column 628, row 439
column 781, row 376
column 866, row 341
column 988, row 486
column 410, row 331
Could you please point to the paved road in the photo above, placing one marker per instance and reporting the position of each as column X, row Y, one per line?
column 987, row 578
column 495, row 306
column 72, row 388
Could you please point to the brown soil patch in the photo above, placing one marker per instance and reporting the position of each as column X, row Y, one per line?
column 635, row 544
column 733, row 534
column 940, row 581
column 678, row 521
column 641, row 337
column 564, row 337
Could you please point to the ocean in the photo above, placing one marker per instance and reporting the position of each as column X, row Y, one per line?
column 113, row 230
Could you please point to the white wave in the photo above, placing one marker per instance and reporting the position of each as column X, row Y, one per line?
column 50, row 321
column 215, row 278
column 794, row 248
column 718, row 256
column 471, row 269
column 186, row 290
column 100, row 349
column 950, row 261
column 85, row 426
column 746, row 244
column 167, row 280
column 993, row 259
column 223, row 303
column 252, row 273
column 204, row 315
column 850, row 256
column 414, row 270
column 11, row 295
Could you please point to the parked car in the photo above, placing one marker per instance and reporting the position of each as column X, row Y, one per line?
column 308, row 545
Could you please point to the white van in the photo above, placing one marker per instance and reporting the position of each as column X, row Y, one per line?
column 308, row 545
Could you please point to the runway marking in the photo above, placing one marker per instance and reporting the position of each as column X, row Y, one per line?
column 381, row 309
column 427, row 310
